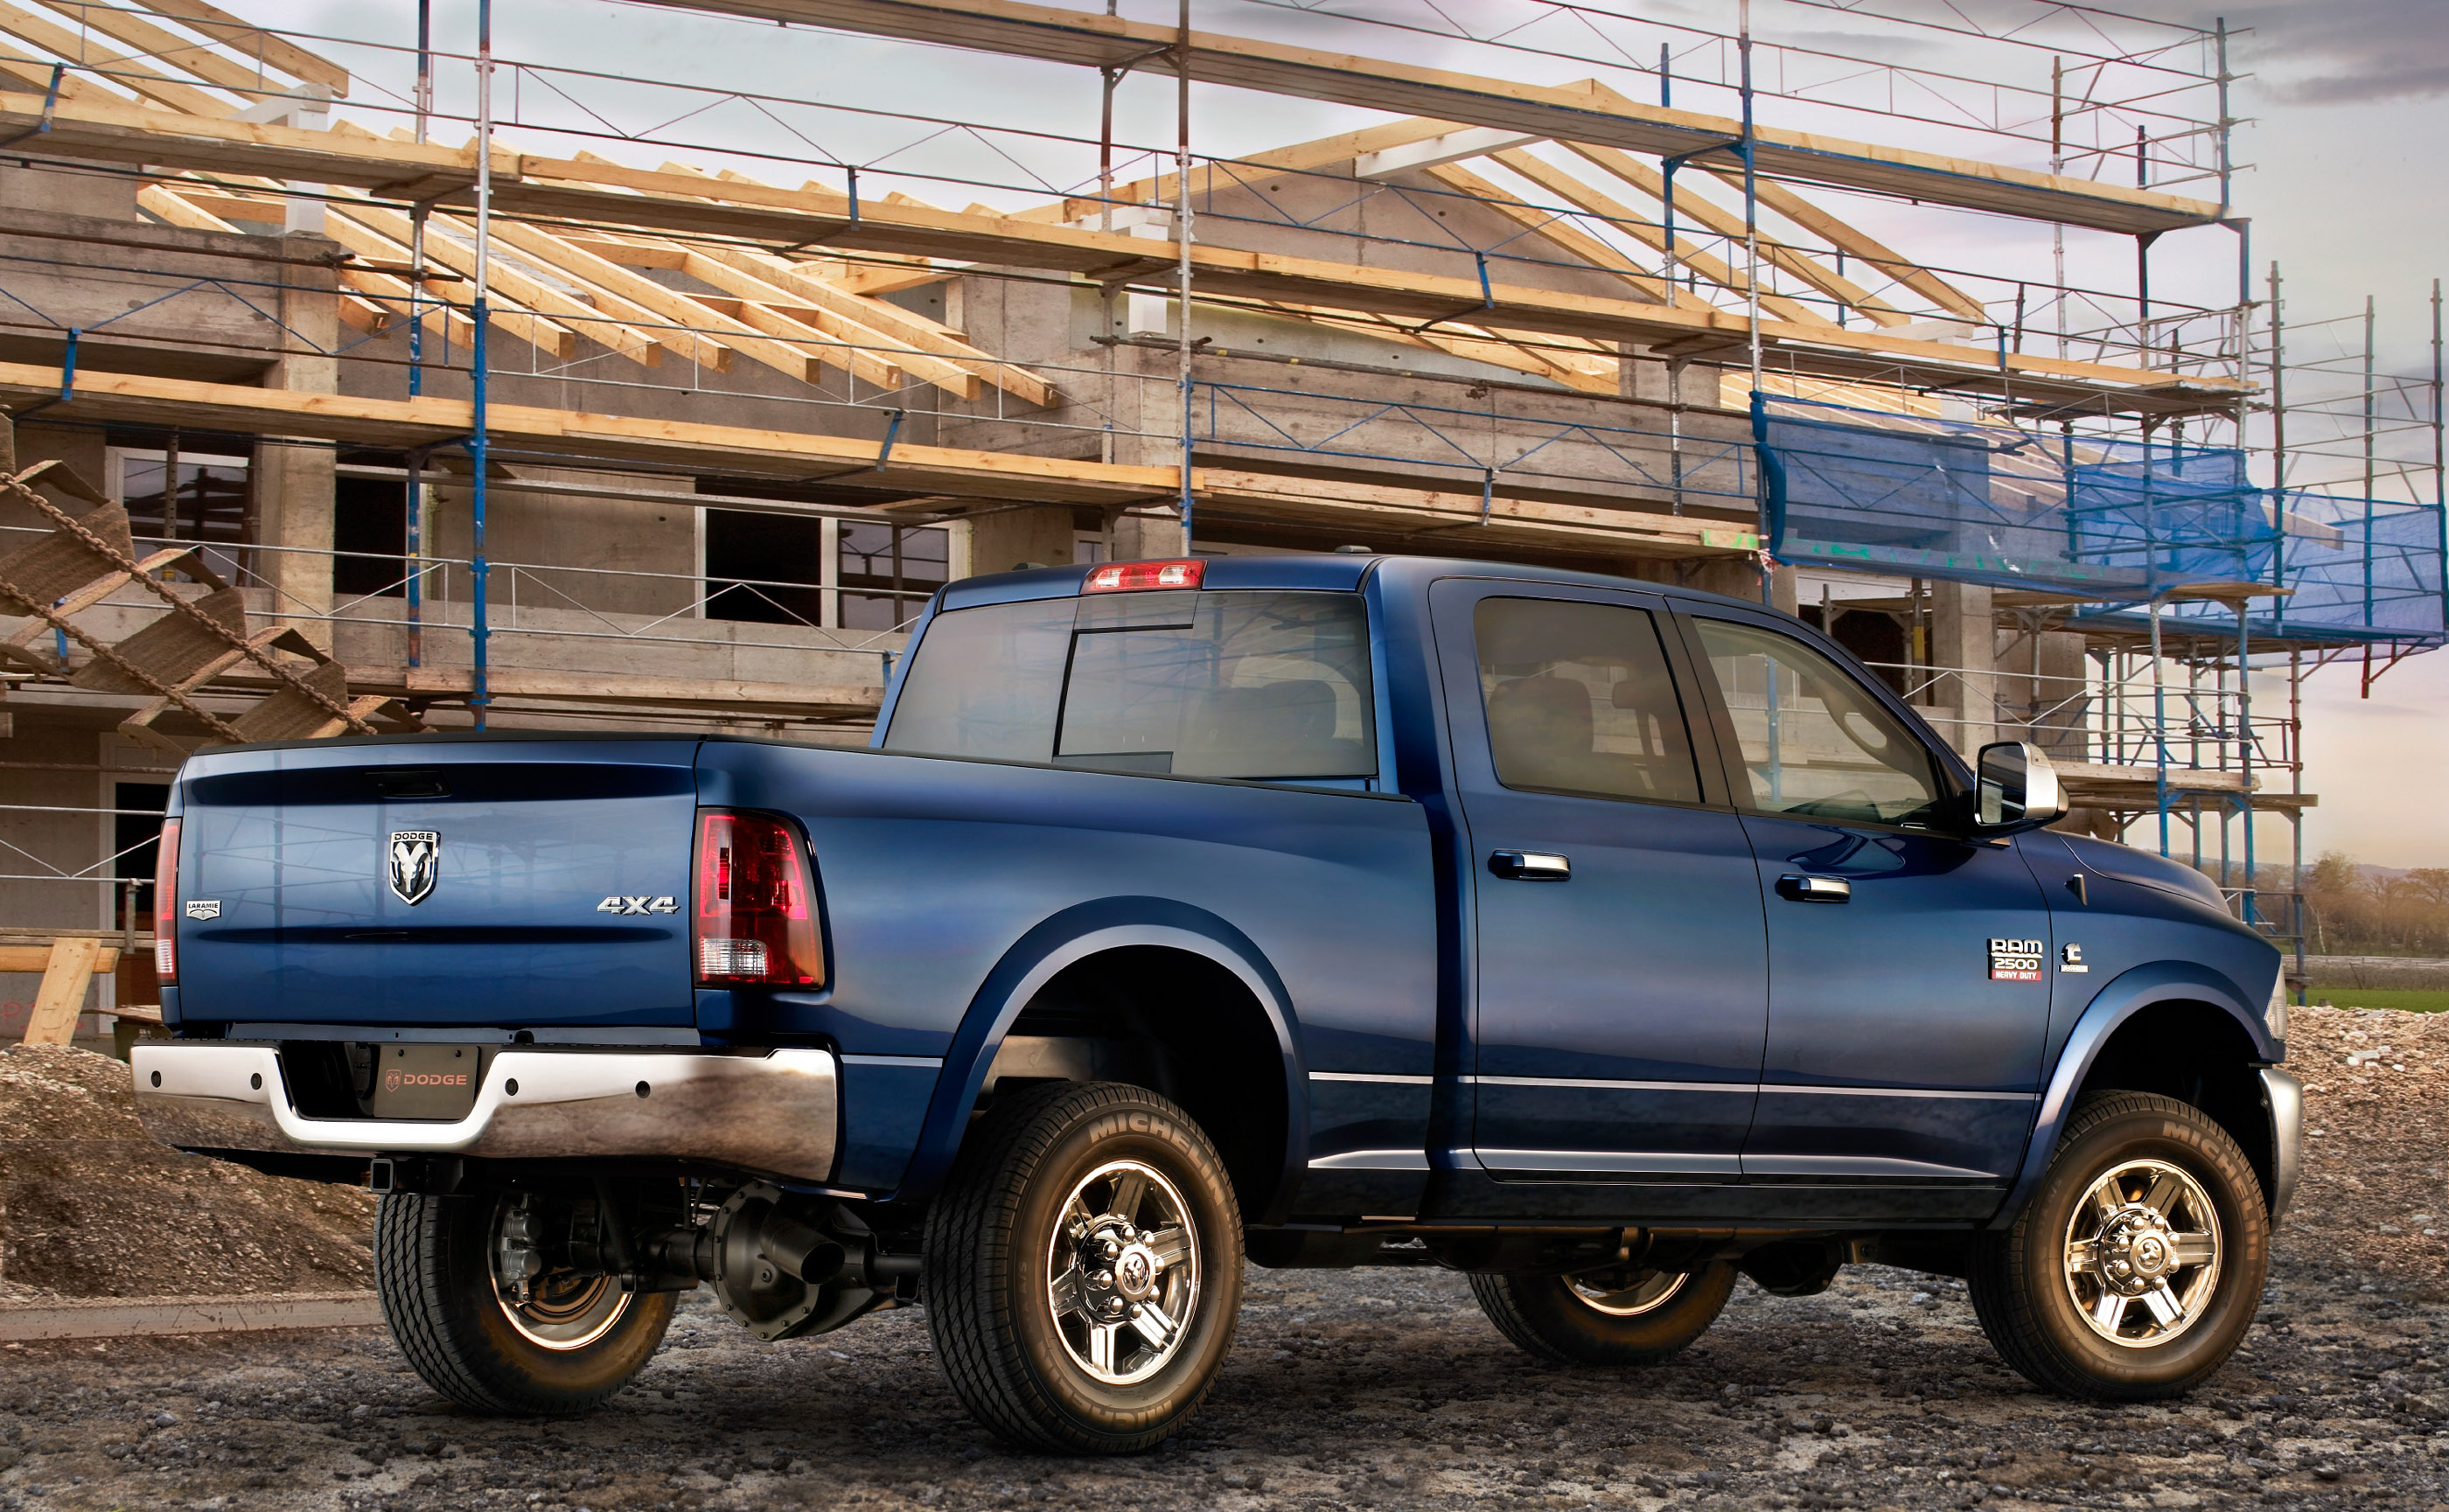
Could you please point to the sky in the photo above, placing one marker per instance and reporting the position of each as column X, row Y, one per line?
column 2348, row 103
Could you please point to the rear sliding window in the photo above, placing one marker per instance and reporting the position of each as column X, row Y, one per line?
column 1234, row 684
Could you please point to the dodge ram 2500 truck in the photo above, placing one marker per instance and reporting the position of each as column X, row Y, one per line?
column 1600, row 940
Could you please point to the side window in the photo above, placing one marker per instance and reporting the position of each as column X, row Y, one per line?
column 1580, row 700
column 1815, row 742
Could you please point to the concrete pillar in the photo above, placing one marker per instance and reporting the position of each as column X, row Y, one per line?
column 1148, row 532
column 1964, row 649
column 2063, row 696
column 1003, row 539
column 293, row 483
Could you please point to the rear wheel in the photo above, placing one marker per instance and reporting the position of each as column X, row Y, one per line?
column 1083, row 1268
column 1622, row 1316
column 487, row 1324
column 2137, row 1267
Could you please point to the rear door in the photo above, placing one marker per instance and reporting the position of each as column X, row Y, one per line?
column 1908, row 992
column 1620, row 990
column 438, row 883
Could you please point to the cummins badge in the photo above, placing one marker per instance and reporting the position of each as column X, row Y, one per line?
column 413, row 858
column 2016, row 959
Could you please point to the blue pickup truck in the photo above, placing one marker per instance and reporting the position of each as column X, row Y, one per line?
column 1599, row 939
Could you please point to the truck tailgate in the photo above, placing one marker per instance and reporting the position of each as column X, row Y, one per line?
column 435, row 882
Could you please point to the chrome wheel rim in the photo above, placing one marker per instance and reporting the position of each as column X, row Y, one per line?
column 1122, row 1273
column 552, row 1309
column 1646, row 1291
column 2143, row 1254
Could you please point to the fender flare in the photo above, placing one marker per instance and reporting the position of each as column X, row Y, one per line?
column 1061, row 941
column 2119, row 1000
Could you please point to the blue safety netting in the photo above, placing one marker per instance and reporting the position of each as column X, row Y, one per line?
column 2128, row 520
column 1990, row 504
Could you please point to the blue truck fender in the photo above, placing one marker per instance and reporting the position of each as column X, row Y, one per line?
column 1076, row 934
column 2117, row 1001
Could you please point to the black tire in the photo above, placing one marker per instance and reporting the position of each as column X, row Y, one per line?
column 433, row 1271
column 989, row 1276
column 2027, row 1295
column 1552, row 1317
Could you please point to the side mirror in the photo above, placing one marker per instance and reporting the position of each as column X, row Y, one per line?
column 2019, row 789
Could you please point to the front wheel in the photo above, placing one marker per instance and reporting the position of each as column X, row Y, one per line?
column 1083, row 1268
column 488, row 1325
column 1606, row 1317
column 2137, row 1267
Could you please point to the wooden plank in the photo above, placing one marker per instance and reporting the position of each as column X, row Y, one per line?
column 1227, row 176
column 1653, row 183
column 25, row 71
column 25, row 957
column 429, row 419
column 243, row 36
column 119, row 1317
column 613, row 687
column 65, row 975
column 509, row 316
column 118, row 67
column 1583, row 111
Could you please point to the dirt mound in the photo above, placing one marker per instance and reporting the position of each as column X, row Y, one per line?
column 2376, row 1184
column 91, row 1206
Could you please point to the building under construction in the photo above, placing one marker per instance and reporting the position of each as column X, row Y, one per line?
column 388, row 381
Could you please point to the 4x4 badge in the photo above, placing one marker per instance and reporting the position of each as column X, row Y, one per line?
column 619, row 904
column 410, row 861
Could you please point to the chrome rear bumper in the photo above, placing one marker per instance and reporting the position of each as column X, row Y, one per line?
column 776, row 1113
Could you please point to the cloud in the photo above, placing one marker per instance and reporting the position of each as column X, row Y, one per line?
column 2333, row 52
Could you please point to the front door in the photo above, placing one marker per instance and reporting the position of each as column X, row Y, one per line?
column 1908, row 963
column 1620, row 989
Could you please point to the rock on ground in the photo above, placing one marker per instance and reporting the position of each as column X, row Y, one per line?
column 91, row 1205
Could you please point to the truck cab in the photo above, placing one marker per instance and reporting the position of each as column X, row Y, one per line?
column 1599, row 939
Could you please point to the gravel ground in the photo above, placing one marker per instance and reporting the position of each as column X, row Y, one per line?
column 1373, row 1388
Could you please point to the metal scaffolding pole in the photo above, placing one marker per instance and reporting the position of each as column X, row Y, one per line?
column 479, row 628
column 1181, row 235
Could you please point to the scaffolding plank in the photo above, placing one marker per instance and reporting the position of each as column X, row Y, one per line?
column 1583, row 111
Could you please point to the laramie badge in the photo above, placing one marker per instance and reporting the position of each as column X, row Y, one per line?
column 411, row 862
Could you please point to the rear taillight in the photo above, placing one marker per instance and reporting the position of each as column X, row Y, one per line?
column 756, row 914
column 1128, row 577
column 165, row 906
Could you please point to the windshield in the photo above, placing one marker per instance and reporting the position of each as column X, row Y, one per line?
column 1231, row 684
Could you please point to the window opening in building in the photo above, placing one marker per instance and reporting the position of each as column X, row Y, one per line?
column 134, row 840
column 370, row 533
column 888, row 573
column 764, row 569
column 207, row 503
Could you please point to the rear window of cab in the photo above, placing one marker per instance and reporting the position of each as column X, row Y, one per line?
column 1241, row 683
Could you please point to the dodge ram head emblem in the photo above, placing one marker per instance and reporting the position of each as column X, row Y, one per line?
column 411, row 860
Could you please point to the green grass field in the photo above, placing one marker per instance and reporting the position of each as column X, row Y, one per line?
column 2414, row 999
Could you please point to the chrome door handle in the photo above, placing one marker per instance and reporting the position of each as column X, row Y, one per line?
column 1530, row 866
column 1800, row 889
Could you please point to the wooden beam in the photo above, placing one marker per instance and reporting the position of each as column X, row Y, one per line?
column 20, row 70
column 537, row 332
column 120, row 68
column 243, row 36
column 1555, row 229
column 1584, row 111
column 66, row 971
column 1847, row 237
column 1226, row 176
column 1653, row 183
column 179, row 53
column 855, row 338
column 602, row 326
column 646, row 293
column 1650, row 232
